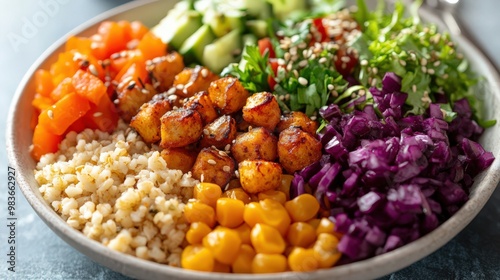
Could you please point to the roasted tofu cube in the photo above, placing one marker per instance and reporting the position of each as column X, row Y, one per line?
column 202, row 103
column 259, row 175
column 297, row 149
column 147, row 121
column 179, row 158
column 162, row 70
column 297, row 119
column 131, row 96
column 219, row 133
column 193, row 80
column 228, row 94
column 213, row 166
column 258, row 143
column 262, row 109
column 180, row 127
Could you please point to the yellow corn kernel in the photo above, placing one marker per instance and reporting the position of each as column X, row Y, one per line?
column 196, row 232
column 196, row 211
column 301, row 234
column 325, row 226
column 207, row 193
column 301, row 259
column 302, row 208
column 220, row 267
column 243, row 262
column 197, row 257
column 269, row 263
column 314, row 223
column 244, row 233
column 325, row 250
column 238, row 193
column 224, row 243
column 266, row 239
column 273, row 194
column 286, row 182
column 229, row 212
column 269, row 212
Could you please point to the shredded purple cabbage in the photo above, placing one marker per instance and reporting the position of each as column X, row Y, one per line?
column 388, row 179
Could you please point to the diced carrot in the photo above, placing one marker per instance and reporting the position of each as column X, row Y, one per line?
column 88, row 86
column 58, row 117
column 136, row 70
column 80, row 44
column 152, row 46
column 63, row 88
column 34, row 119
column 118, row 61
column 113, row 38
column 43, row 82
column 102, row 116
column 44, row 142
column 41, row 102
column 137, row 30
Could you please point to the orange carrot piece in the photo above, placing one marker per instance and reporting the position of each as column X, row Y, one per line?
column 43, row 82
column 63, row 88
column 102, row 116
column 88, row 86
column 44, row 142
column 41, row 102
column 137, row 30
column 80, row 44
column 152, row 46
column 58, row 117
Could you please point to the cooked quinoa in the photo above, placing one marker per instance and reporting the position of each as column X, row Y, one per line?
column 117, row 190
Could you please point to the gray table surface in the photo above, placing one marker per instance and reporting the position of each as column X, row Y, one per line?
column 472, row 254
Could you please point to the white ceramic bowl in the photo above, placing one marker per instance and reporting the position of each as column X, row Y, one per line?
column 19, row 137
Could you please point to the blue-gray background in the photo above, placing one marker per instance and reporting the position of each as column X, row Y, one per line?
column 473, row 254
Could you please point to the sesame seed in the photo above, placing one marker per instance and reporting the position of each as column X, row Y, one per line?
column 423, row 61
column 171, row 90
column 227, row 147
column 185, row 91
column 287, row 96
column 202, row 178
column 402, row 62
column 361, row 92
column 287, row 56
column 226, row 168
column 364, row 62
column 313, row 56
column 303, row 81
column 93, row 70
column 222, row 153
column 343, row 66
column 459, row 55
column 144, row 91
column 322, row 60
column 313, row 118
column 172, row 97
column 97, row 114
column 335, row 93
column 373, row 82
column 295, row 73
column 211, row 162
column 445, row 76
column 414, row 88
column 424, row 69
column 50, row 114
column 282, row 97
column 375, row 70
column 237, row 174
column 345, row 59
column 303, row 63
column 302, row 45
column 281, row 61
column 205, row 131
column 179, row 87
column 437, row 63
column 330, row 87
column 204, row 72
column 293, row 51
column 116, row 101
column 280, row 33
column 431, row 71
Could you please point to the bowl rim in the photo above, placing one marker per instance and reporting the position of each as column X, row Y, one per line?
column 134, row 266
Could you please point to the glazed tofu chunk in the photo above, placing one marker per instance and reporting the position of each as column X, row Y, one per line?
column 228, row 95
column 130, row 98
column 147, row 121
column 258, row 143
column 297, row 119
column 259, row 175
column 202, row 103
column 262, row 109
column 179, row 158
column 219, row 133
column 180, row 128
column 162, row 70
column 297, row 149
column 193, row 80
column 213, row 166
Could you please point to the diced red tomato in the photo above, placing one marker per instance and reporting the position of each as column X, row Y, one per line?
column 318, row 23
column 344, row 62
column 266, row 45
column 274, row 65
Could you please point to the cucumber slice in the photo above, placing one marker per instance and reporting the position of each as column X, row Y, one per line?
column 260, row 9
column 222, row 22
column 192, row 48
column 176, row 27
column 258, row 27
column 221, row 52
